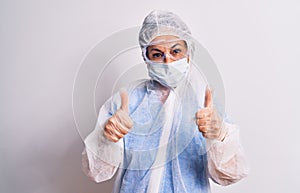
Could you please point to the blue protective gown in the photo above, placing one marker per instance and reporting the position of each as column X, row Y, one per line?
column 164, row 152
column 185, row 169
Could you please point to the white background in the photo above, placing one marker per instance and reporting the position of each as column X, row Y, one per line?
column 255, row 45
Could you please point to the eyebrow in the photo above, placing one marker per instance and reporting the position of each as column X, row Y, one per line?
column 156, row 49
column 176, row 45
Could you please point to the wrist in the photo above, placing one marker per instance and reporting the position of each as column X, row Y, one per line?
column 223, row 131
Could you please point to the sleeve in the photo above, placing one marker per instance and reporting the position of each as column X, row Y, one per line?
column 101, row 157
column 226, row 158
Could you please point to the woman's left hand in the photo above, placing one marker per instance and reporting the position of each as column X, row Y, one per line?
column 208, row 120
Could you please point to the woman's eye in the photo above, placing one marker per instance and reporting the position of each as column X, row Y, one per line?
column 157, row 55
column 176, row 51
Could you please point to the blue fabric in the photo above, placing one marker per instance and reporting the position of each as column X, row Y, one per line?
column 185, row 172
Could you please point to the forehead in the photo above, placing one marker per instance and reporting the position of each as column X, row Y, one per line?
column 166, row 41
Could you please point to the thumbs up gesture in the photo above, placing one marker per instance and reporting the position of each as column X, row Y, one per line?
column 208, row 120
column 119, row 124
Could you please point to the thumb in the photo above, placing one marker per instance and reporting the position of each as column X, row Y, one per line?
column 124, row 100
column 208, row 98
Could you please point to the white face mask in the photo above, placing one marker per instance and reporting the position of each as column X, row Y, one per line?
column 171, row 74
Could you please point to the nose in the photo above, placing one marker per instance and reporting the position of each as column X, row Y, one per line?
column 168, row 59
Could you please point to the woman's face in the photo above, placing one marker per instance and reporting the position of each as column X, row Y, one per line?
column 166, row 49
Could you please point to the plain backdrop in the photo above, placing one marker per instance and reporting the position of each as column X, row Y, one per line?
column 255, row 45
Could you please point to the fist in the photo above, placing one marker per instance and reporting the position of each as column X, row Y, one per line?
column 120, row 123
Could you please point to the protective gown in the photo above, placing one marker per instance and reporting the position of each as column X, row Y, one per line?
column 164, row 152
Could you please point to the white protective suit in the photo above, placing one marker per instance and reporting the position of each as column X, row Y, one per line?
column 164, row 151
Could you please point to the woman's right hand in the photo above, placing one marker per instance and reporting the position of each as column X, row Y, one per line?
column 120, row 123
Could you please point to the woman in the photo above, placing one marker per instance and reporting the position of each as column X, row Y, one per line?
column 164, row 134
